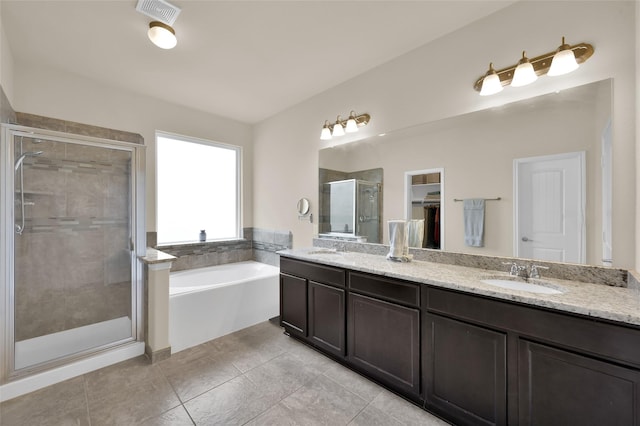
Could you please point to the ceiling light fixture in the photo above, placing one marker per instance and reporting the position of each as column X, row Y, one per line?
column 163, row 15
column 351, row 125
column 162, row 35
column 559, row 62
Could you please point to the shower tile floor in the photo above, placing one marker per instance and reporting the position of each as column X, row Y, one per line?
column 256, row 376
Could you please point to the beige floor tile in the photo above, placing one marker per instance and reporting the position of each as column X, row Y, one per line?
column 281, row 376
column 134, row 403
column 175, row 417
column 201, row 375
column 404, row 411
column 323, row 401
column 232, row 403
column 60, row 404
column 371, row 416
column 353, row 382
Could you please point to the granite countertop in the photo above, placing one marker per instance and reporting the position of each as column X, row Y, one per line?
column 595, row 300
column 153, row 256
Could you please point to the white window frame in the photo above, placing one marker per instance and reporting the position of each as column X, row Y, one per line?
column 239, row 195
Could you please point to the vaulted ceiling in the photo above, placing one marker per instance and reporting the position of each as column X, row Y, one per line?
column 246, row 60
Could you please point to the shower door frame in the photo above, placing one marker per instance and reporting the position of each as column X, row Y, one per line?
column 7, row 236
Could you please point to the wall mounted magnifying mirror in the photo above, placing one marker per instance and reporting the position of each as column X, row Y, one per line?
column 303, row 206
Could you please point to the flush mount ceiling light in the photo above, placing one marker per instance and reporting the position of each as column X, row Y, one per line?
column 162, row 35
column 341, row 126
column 561, row 61
column 164, row 14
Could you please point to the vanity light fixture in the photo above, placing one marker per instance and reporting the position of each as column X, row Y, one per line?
column 351, row 125
column 563, row 60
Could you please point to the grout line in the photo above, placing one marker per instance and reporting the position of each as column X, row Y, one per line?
column 86, row 397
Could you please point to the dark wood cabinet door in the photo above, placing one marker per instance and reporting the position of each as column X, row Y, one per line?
column 327, row 317
column 464, row 371
column 384, row 341
column 293, row 304
column 558, row 387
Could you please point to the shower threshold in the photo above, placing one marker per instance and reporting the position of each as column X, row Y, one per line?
column 52, row 346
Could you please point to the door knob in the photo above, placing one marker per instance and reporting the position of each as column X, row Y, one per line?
column 525, row 239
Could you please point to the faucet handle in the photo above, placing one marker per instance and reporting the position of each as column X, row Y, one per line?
column 514, row 268
column 535, row 270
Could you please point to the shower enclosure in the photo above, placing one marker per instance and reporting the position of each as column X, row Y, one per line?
column 72, row 223
column 351, row 210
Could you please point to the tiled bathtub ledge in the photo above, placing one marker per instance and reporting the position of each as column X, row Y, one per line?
column 618, row 304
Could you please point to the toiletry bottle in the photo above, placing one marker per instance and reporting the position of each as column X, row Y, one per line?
column 203, row 236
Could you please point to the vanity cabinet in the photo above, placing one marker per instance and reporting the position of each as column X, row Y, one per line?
column 326, row 317
column 465, row 370
column 312, row 304
column 293, row 304
column 560, row 368
column 383, row 328
column 472, row 359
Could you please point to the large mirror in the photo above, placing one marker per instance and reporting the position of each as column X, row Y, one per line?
column 479, row 154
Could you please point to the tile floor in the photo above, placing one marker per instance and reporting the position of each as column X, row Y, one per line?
column 256, row 376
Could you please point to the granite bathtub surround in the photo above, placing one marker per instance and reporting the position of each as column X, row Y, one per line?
column 48, row 123
column 258, row 244
column 77, row 228
column 563, row 271
column 7, row 114
column 612, row 303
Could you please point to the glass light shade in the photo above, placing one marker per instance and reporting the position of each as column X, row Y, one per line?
column 523, row 75
column 162, row 35
column 351, row 126
column 325, row 135
column 338, row 130
column 491, row 85
column 563, row 63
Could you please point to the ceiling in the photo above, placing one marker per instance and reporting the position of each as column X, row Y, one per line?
column 245, row 60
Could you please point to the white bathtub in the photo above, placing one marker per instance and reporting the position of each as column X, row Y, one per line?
column 207, row 303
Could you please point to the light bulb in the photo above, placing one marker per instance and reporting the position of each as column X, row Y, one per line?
column 491, row 83
column 325, row 134
column 352, row 124
column 162, row 35
column 524, row 73
column 564, row 61
column 338, row 130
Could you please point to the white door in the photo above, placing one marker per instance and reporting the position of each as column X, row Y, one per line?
column 549, row 207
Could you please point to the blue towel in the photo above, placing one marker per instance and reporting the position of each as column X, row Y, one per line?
column 474, row 222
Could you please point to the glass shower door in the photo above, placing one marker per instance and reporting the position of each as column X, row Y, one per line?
column 73, row 284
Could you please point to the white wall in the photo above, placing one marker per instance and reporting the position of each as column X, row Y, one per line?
column 6, row 63
column 435, row 81
column 56, row 94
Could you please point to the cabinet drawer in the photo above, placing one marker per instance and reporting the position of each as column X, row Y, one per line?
column 384, row 288
column 313, row 271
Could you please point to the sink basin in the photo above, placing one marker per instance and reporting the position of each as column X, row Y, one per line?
column 530, row 287
column 324, row 251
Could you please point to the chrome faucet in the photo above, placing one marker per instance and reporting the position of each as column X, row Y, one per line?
column 524, row 271
column 535, row 271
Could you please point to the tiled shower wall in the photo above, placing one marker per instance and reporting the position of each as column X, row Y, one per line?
column 257, row 244
column 72, row 262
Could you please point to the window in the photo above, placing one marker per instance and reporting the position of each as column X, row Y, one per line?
column 198, row 188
